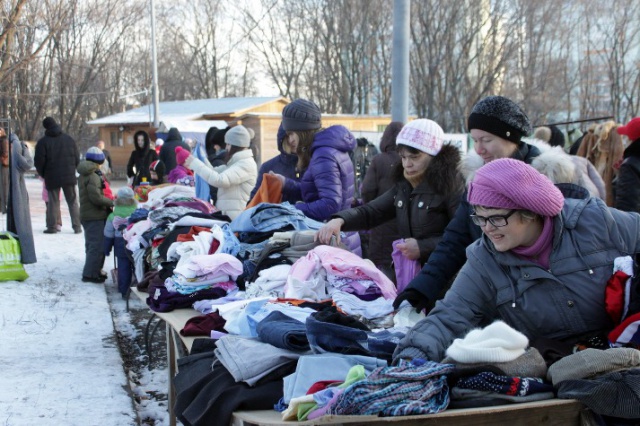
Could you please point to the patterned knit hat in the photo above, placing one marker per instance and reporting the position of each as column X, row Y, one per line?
column 501, row 117
column 301, row 114
column 511, row 184
column 422, row 134
column 95, row 154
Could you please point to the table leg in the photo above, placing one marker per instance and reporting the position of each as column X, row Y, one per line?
column 171, row 364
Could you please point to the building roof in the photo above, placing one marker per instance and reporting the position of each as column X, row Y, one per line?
column 184, row 110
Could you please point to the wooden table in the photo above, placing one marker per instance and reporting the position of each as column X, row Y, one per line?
column 560, row 412
column 174, row 322
column 554, row 412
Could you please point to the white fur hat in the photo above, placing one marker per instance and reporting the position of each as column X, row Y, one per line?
column 495, row 343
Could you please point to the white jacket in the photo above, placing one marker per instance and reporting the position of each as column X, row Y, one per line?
column 234, row 180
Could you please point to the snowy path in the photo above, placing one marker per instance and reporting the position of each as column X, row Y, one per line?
column 59, row 362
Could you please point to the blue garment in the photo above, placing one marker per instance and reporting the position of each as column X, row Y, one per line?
column 327, row 336
column 401, row 390
column 202, row 187
column 283, row 332
column 125, row 267
column 267, row 217
column 231, row 244
column 328, row 366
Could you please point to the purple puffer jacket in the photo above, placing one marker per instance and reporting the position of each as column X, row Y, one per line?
column 328, row 184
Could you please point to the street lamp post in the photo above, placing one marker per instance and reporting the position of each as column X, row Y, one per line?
column 154, row 68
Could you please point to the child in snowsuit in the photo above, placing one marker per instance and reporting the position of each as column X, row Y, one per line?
column 125, row 205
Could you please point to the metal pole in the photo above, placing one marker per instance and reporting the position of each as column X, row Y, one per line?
column 400, row 61
column 154, row 62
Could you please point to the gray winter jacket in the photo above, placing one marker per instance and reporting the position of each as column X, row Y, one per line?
column 564, row 302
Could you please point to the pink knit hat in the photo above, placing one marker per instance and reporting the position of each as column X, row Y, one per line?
column 511, row 184
column 423, row 135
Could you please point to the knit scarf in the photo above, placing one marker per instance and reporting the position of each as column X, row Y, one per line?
column 540, row 251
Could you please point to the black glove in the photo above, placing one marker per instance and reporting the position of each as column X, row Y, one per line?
column 417, row 300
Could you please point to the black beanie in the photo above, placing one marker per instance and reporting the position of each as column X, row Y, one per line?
column 501, row 117
column 301, row 114
column 49, row 123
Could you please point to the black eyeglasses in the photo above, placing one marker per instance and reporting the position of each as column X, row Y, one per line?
column 498, row 220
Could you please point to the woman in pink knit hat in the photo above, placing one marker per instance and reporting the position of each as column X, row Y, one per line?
column 541, row 266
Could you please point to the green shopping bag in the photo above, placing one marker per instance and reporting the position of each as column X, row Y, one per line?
column 11, row 268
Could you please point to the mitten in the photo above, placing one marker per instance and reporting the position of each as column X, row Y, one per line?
column 181, row 155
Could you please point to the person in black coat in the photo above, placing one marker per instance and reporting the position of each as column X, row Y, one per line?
column 216, row 154
column 378, row 180
column 56, row 159
column 627, row 188
column 141, row 159
column 168, row 150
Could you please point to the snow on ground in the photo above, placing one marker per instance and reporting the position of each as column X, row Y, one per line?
column 60, row 363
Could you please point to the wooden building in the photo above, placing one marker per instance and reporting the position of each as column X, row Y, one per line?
column 194, row 118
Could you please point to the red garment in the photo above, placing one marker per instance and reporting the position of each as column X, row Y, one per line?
column 322, row 385
column 215, row 244
column 203, row 325
column 614, row 296
column 628, row 333
column 195, row 230
column 107, row 189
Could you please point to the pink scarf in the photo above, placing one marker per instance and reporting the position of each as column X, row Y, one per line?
column 540, row 251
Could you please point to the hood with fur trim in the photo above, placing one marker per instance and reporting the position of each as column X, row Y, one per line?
column 471, row 162
column 562, row 168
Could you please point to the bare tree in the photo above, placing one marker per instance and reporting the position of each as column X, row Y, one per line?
column 339, row 78
column 282, row 38
column 535, row 76
column 459, row 54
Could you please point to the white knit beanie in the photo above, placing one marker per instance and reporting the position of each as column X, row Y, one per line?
column 495, row 343
column 423, row 135
column 238, row 136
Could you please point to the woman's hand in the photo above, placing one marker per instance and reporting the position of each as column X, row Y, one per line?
column 280, row 177
column 410, row 249
column 330, row 229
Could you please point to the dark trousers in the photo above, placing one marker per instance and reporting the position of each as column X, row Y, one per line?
column 93, row 247
column 53, row 207
column 125, row 267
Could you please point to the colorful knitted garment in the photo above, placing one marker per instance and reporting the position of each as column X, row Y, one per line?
column 516, row 386
column 403, row 390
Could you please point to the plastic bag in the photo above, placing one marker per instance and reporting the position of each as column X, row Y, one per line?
column 11, row 268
